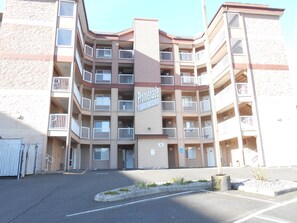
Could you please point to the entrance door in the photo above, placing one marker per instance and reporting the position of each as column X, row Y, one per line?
column 129, row 158
column 210, row 156
column 171, row 157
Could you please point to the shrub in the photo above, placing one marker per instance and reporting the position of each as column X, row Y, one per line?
column 259, row 174
column 179, row 180
column 167, row 184
column 152, row 185
column 202, row 181
column 111, row 193
column 124, row 190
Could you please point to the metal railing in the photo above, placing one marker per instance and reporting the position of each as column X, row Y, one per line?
column 188, row 80
column 126, row 79
column 205, row 106
column 75, row 127
column 89, row 50
column 86, row 104
column 101, row 105
column 48, row 161
column 191, row 133
column 203, row 80
column 242, row 89
column 126, row 105
column 101, row 133
column 61, row 84
column 247, row 123
column 85, row 132
column 76, row 93
column 167, row 80
column 171, row 132
column 207, row 132
column 200, row 57
column 103, row 53
column 58, row 122
column 104, row 78
column 186, row 56
column 168, row 106
column 125, row 133
column 189, row 106
column 126, row 54
column 165, row 56
column 87, row 76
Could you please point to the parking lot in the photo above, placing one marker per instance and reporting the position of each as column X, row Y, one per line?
column 69, row 198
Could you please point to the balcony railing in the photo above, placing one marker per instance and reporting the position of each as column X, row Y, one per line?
column 125, row 133
column 81, row 36
column 165, row 56
column 207, row 132
column 101, row 105
column 75, row 126
column 167, row 80
column 126, row 79
column 168, row 106
column 203, row 80
column 242, row 90
column 104, row 78
column 220, row 66
column 89, row 50
column 171, row 132
column 188, row 80
column 103, row 53
column 101, row 133
column 86, row 104
column 200, row 57
column 217, row 41
column 247, row 123
column 126, row 54
column 85, row 132
column 205, row 106
column 191, row 133
column 185, row 56
column 189, row 106
column 58, row 122
column 79, row 63
column 126, row 105
column 87, row 76
column 61, row 84
column 76, row 93
column 224, row 98
column 228, row 127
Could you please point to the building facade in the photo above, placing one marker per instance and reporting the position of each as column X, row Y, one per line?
column 140, row 98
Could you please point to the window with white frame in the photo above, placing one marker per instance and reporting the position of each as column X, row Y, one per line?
column 64, row 37
column 104, row 126
column 66, row 8
column 101, row 153
column 191, row 153
column 236, row 46
column 233, row 20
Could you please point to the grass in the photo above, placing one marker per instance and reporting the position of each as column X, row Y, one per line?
column 111, row 193
column 259, row 174
column 152, row 185
column 181, row 181
column 124, row 190
column 167, row 184
column 202, row 181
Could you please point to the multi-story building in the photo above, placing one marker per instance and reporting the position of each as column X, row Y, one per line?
column 140, row 98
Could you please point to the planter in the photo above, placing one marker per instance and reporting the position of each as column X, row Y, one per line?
column 221, row 182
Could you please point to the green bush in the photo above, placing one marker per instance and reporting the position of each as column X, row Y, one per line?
column 111, row 193
column 152, row 185
column 124, row 190
column 259, row 174
column 202, row 181
column 167, row 184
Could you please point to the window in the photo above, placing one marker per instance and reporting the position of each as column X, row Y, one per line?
column 101, row 154
column 233, row 20
column 236, row 46
column 191, row 153
column 66, row 8
column 64, row 37
column 103, row 125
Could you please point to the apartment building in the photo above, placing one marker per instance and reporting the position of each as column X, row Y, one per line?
column 140, row 98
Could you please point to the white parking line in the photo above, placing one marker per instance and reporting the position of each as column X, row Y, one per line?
column 266, row 209
column 270, row 219
column 127, row 204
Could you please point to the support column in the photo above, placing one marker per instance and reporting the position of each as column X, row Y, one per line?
column 180, row 128
column 113, row 158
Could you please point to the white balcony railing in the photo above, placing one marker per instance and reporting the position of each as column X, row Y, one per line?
column 89, row 50
column 102, row 53
column 224, row 98
column 126, row 79
column 188, row 80
column 76, row 93
column 207, row 132
column 165, row 56
column 203, row 80
column 86, row 104
column 242, row 90
column 125, row 133
column 81, row 36
column 201, row 57
column 61, row 84
column 220, row 66
column 217, row 41
column 75, row 127
column 191, row 133
column 247, row 123
column 185, row 57
column 102, row 78
column 189, row 106
column 126, row 105
column 79, row 63
column 101, row 133
column 101, row 105
column 167, row 80
column 58, row 122
column 87, row 76
column 171, row 132
column 168, row 106
column 126, row 54
column 85, row 132
column 228, row 128
column 205, row 106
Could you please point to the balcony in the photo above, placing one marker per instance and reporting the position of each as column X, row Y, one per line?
column 85, row 132
column 78, row 61
column 167, row 80
column 61, row 84
column 103, row 53
column 87, row 76
column 101, row 105
column 126, row 79
column 228, row 129
column 224, row 98
column 191, row 133
column 126, row 54
column 75, row 127
column 88, row 51
column 101, row 133
column 247, row 123
column 103, row 78
column 168, row 106
column 171, row 132
column 203, row 80
column 76, row 93
column 217, row 41
column 242, row 90
column 165, row 56
column 86, row 104
column 186, row 57
column 125, row 133
column 205, row 106
column 188, row 80
column 58, row 122
column 189, row 106
column 207, row 132
column 201, row 57
column 126, row 105
column 220, row 66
